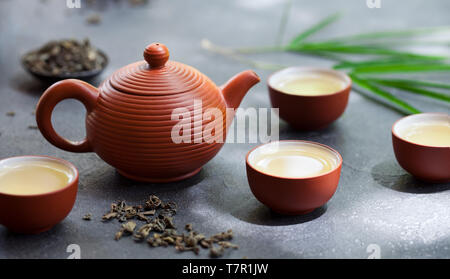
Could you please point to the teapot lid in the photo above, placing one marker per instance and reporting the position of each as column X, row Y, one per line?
column 156, row 75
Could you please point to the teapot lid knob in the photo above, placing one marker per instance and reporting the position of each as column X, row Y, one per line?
column 156, row 55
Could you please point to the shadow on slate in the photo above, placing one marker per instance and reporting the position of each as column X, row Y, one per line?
column 25, row 83
column 106, row 183
column 256, row 213
column 30, row 85
column 161, row 187
column 390, row 175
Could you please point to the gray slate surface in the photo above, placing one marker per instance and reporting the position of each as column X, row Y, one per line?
column 376, row 202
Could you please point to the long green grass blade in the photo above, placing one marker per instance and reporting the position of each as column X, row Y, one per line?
column 397, row 43
column 361, row 49
column 283, row 22
column 208, row 45
column 396, row 34
column 262, row 49
column 326, row 55
column 383, row 94
column 412, row 82
column 315, row 28
column 401, row 68
column 385, row 61
column 419, row 91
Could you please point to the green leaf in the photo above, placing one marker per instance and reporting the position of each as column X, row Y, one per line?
column 283, row 22
column 398, row 43
column 414, row 82
column 385, row 61
column 396, row 34
column 383, row 94
column 326, row 55
column 208, row 45
column 315, row 28
column 360, row 49
column 262, row 49
column 415, row 90
column 401, row 68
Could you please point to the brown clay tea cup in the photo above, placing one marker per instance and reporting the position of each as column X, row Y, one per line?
column 309, row 111
column 293, row 177
column 422, row 157
column 33, row 213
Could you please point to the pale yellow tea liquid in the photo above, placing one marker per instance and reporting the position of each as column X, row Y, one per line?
column 429, row 133
column 34, row 177
column 311, row 85
column 296, row 161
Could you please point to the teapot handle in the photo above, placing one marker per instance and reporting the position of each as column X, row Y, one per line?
column 66, row 89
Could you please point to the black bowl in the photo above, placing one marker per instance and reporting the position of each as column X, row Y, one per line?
column 84, row 75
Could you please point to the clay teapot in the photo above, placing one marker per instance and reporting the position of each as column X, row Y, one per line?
column 131, row 117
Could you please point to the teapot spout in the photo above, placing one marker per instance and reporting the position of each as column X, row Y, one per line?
column 235, row 89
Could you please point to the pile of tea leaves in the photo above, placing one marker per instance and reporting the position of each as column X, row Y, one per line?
column 158, row 229
column 64, row 57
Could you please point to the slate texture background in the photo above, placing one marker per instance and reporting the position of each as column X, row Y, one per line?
column 376, row 202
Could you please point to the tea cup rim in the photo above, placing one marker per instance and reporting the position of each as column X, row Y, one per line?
column 394, row 133
column 342, row 75
column 44, row 157
column 338, row 155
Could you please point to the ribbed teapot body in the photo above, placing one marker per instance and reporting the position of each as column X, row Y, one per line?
column 157, row 137
column 155, row 120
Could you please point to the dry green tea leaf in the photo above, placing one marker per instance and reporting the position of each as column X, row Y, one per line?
column 149, row 212
column 153, row 202
column 109, row 216
column 205, row 244
column 94, row 19
column 188, row 227
column 216, row 252
column 64, row 57
column 226, row 244
column 118, row 235
column 87, row 217
column 164, row 229
column 129, row 226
